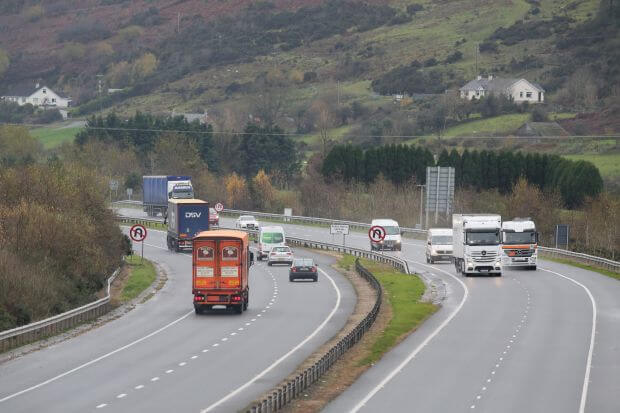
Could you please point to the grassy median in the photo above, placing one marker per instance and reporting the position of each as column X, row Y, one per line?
column 142, row 274
column 402, row 293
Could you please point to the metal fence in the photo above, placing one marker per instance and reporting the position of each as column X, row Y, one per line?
column 286, row 392
column 608, row 264
column 35, row 331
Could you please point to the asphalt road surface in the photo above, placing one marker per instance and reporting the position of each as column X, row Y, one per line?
column 162, row 357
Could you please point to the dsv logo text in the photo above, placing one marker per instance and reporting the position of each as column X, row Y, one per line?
column 193, row 214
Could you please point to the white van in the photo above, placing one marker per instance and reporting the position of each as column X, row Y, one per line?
column 392, row 240
column 269, row 237
column 439, row 244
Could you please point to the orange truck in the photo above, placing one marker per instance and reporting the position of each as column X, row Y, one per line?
column 221, row 263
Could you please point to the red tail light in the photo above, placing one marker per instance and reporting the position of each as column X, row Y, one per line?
column 288, row 253
column 313, row 269
column 199, row 298
column 236, row 298
column 293, row 269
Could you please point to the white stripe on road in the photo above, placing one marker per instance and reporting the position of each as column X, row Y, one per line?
column 586, row 379
column 36, row 386
column 398, row 368
column 278, row 361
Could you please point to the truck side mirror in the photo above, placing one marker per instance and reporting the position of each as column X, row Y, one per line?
column 251, row 258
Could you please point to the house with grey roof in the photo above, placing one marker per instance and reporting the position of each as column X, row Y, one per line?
column 520, row 90
column 37, row 95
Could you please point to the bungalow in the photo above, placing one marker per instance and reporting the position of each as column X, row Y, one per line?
column 520, row 90
column 36, row 95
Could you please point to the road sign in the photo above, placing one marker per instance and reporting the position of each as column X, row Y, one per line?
column 219, row 207
column 376, row 233
column 129, row 192
column 439, row 191
column 561, row 236
column 113, row 185
column 339, row 229
column 137, row 233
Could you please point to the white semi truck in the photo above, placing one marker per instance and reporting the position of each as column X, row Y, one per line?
column 477, row 245
column 519, row 243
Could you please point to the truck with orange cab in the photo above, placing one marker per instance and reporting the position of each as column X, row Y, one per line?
column 520, row 243
column 221, row 263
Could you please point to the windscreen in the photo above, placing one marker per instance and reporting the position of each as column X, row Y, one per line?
column 442, row 240
column 482, row 238
column 303, row 262
column 272, row 238
column 182, row 192
column 519, row 237
column 246, row 218
column 392, row 230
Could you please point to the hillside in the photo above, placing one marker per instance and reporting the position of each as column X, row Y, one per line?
column 317, row 68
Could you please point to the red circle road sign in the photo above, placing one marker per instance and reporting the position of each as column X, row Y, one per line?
column 137, row 232
column 219, row 207
column 376, row 233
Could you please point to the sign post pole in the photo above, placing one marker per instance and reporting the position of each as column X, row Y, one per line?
column 138, row 234
column 339, row 229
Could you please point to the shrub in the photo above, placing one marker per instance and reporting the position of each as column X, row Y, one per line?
column 84, row 32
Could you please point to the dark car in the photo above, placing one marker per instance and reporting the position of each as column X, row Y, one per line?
column 304, row 268
column 214, row 218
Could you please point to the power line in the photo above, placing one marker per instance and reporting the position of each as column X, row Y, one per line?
column 296, row 134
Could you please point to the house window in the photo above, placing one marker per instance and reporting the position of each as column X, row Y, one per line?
column 477, row 93
column 53, row 100
column 35, row 101
column 44, row 90
column 520, row 94
column 528, row 94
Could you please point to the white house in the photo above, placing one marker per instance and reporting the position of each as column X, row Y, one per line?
column 520, row 90
column 36, row 95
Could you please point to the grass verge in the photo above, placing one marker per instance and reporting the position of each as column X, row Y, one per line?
column 402, row 293
column 142, row 274
column 585, row 267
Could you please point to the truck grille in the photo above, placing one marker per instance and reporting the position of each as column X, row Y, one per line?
column 519, row 253
column 488, row 256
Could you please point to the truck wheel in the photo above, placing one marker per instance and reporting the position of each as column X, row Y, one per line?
column 239, row 309
column 269, row 263
column 176, row 246
column 291, row 279
column 533, row 268
column 245, row 304
column 316, row 278
column 198, row 309
column 430, row 260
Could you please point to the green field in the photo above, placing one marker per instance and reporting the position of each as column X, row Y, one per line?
column 608, row 163
column 52, row 137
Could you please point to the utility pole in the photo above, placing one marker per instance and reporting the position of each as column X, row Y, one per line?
column 476, row 52
column 338, row 89
column 178, row 22
column 100, row 91
column 421, row 204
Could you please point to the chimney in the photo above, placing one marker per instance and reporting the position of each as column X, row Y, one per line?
column 479, row 77
column 37, row 85
column 490, row 77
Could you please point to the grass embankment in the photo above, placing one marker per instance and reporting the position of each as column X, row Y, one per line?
column 142, row 274
column 402, row 293
column 585, row 267
column 607, row 163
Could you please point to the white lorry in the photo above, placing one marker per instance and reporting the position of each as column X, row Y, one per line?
column 476, row 244
column 519, row 243
column 438, row 245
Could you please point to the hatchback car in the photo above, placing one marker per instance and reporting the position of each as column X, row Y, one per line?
column 304, row 268
column 280, row 255
column 246, row 222
column 214, row 218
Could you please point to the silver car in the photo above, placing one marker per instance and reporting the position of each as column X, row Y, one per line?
column 280, row 255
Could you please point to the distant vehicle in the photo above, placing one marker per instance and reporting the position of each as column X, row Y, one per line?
column 438, row 245
column 157, row 190
column 214, row 218
column 303, row 268
column 392, row 240
column 221, row 261
column 476, row 244
column 269, row 237
column 185, row 219
column 246, row 222
column 519, row 243
column 279, row 255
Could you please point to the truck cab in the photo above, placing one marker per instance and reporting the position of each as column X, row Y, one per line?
column 221, row 263
column 519, row 243
column 477, row 244
column 438, row 245
column 392, row 240
column 269, row 237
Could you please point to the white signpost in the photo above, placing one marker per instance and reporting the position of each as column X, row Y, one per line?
column 340, row 229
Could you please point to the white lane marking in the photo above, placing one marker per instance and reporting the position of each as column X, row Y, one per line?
column 225, row 339
column 139, row 386
column 169, row 371
column 120, row 396
column 586, row 379
column 181, row 364
column 215, row 345
column 194, row 357
column 101, row 406
column 294, row 349
column 155, row 379
column 205, row 350
column 66, row 373
column 410, row 357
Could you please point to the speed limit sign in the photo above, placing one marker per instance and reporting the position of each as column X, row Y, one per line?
column 219, row 207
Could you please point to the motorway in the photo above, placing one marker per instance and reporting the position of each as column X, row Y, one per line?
column 162, row 357
column 535, row 341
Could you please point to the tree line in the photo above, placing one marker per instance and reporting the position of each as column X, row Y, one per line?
column 574, row 180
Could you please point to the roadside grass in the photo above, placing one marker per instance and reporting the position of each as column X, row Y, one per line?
column 403, row 293
column 141, row 277
column 585, row 267
column 52, row 137
column 498, row 125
